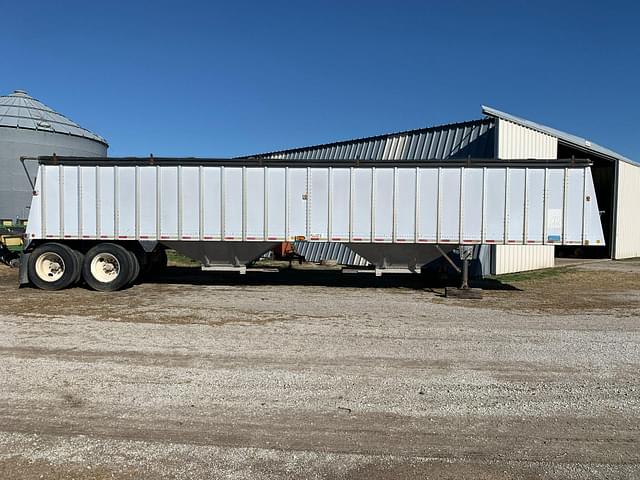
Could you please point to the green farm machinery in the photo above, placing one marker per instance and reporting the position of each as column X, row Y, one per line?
column 11, row 242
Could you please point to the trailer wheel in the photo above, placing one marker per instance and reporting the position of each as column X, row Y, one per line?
column 53, row 266
column 107, row 267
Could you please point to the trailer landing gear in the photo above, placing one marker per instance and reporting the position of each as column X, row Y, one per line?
column 466, row 254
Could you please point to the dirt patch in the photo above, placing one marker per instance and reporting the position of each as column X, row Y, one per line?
column 183, row 292
column 26, row 469
column 566, row 291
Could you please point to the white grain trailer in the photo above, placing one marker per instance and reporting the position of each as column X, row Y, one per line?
column 100, row 219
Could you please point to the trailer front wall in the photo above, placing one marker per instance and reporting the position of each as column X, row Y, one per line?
column 627, row 242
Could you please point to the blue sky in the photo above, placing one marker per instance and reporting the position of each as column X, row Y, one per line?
column 228, row 78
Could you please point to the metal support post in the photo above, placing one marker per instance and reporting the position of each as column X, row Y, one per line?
column 465, row 274
column 466, row 254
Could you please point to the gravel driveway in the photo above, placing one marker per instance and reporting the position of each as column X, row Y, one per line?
column 314, row 375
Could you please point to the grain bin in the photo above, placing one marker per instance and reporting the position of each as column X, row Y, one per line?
column 30, row 128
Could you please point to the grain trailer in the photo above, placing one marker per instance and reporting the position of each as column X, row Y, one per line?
column 100, row 220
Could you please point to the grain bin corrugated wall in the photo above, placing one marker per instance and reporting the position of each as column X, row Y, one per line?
column 30, row 128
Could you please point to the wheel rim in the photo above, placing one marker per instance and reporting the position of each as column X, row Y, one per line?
column 105, row 267
column 50, row 267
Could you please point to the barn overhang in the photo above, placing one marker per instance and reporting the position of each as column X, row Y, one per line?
column 564, row 138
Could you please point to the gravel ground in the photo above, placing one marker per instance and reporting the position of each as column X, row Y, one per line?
column 263, row 377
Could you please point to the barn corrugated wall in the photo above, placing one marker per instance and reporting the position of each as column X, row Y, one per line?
column 318, row 251
column 627, row 223
column 519, row 258
column 519, row 142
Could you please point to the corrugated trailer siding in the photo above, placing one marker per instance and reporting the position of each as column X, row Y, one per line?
column 364, row 204
column 520, row 258
column 627, row 219
column 516, row 141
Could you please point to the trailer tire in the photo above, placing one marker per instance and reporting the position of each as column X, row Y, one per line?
column 80, row 257
column 135, row 268
column 53, row 266
column 107, row 267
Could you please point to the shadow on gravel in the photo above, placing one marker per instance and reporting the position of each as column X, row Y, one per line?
column 319, row 277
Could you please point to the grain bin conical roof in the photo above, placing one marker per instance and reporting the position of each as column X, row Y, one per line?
column 19, row 110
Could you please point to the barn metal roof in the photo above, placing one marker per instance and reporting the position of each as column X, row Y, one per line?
column 19, row 110
column 567, row 138
column 457, row 140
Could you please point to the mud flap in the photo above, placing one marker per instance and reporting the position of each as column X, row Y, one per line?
column 23, row 275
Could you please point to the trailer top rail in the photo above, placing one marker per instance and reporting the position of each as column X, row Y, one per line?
column 308, row 162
